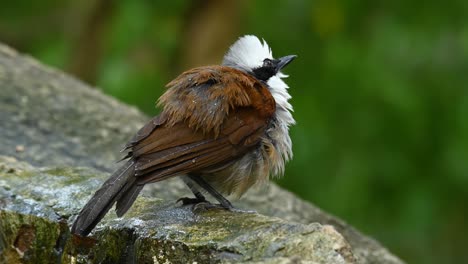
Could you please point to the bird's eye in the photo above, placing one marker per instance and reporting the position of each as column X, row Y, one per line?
column 267, row 63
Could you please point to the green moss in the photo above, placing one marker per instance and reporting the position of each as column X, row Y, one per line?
column 28, row 238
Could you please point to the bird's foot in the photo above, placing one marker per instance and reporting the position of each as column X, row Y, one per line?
column 200, row 204
column 188, row 200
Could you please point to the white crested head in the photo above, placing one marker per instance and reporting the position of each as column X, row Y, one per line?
column 247, row 53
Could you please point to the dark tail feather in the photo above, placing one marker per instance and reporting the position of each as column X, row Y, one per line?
column 126, row 200
column 116, row 188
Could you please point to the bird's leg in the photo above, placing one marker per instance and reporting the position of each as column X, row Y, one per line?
column 202, row 183
column 199, row 197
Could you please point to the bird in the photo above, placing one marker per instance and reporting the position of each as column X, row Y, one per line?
column 222, row 129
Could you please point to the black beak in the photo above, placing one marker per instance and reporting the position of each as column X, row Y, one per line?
column 284, row 61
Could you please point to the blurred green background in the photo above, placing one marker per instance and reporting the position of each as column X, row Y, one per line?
column 380, row 91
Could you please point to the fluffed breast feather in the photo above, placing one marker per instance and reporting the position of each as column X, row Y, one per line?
column 203, row 97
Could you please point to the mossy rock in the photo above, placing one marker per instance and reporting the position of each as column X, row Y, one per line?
column 39, row 204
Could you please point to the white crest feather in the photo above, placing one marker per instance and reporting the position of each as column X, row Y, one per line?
column 247, row 53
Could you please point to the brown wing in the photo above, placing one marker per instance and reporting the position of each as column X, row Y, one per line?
column 208, row 120
column 183, row 151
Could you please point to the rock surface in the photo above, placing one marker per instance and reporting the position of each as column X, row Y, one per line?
column 60, row 139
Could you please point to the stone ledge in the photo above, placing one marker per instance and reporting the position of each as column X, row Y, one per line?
column 35, row 220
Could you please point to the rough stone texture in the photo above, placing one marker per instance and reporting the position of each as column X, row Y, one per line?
column 35, row 217
column 67, row 138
